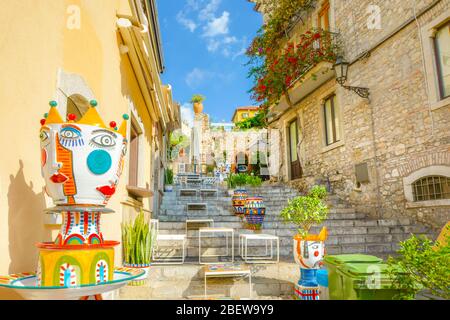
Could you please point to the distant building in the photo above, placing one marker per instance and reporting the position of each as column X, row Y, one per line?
column 242, row 113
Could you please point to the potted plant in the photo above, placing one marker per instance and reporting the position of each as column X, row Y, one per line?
column 255, row 209
column 309, row 249
column 137, row 240
column 168, row 180
column 230, row 185
column 197, row 100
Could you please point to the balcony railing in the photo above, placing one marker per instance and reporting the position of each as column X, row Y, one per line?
column 308, row 59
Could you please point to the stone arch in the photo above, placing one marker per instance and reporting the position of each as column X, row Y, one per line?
column 433, row 170
column 427, row 160
column 71, row 89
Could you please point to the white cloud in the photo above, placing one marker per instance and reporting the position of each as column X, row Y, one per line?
column 208, row 12
column 217, row 26
column 213, row 45
column 196, row 77
column 187, row 23
column 187, row 114
column 229, row 40
column 204, row 15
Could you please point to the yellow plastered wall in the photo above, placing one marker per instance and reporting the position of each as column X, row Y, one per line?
column 35, row 43
column 238, row 116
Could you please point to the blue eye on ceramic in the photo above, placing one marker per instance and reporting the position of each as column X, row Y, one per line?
column 104, row 140
column 70, row 133
column 70, row 137
column 99, row 161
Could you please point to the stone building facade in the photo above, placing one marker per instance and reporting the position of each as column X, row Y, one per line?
column 383, row 146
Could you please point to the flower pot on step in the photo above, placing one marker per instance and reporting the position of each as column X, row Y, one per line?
column 238, row 201
column 254, row 213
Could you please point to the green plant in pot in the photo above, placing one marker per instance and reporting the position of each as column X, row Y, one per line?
column 168, row 180
column 309, row 249
column 138, row 237
column 197, row 102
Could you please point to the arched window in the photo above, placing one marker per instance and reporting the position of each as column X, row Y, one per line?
column 77, row 104
column 431, row 188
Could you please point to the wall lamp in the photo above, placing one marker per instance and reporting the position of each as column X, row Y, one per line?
column 341, row 69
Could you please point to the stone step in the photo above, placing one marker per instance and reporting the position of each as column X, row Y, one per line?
column 229, row 216
column 186, row 281
column 278, row 223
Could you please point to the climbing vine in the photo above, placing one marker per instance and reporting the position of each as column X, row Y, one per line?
column 275, row 62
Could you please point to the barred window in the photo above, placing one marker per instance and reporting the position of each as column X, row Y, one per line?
column 431, row 188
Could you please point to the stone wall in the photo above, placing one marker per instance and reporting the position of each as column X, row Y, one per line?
column 396, row 132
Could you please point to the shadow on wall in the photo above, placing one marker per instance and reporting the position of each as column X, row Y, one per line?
column 26, row 223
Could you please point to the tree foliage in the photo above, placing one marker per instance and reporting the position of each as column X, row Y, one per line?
column 306, row 211
column 423, row 264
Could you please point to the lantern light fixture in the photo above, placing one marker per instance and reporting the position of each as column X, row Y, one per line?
column 341, row 70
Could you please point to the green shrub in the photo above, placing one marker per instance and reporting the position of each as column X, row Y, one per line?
column 253, row 181
column 197, row 98
column 137, row 240
column 242, row 180
column 425, row 265
column 306, row 211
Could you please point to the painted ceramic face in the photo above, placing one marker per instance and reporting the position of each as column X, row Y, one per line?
column 311, row 253
column 81, row 164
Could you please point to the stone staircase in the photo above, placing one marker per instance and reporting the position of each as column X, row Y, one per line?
column 349, row 231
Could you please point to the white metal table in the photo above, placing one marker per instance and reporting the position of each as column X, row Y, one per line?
column 228, row 270
column 268, row 242
column 209, row 222
column 227, row 231
column 176, row 241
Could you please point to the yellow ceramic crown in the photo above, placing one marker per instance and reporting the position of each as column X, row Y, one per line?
column 91, row 117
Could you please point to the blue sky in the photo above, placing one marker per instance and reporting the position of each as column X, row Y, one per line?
column 204, row 43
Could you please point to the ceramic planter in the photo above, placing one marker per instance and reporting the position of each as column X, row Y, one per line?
column 254, row 213
column 198, row 107
column 141, row 280
column 308, row 253
column 238, row 200
column 81, row 159
column 168, row 188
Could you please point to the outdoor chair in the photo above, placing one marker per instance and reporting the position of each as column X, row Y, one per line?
column 166, row 245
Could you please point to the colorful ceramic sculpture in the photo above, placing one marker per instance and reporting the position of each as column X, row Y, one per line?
column 81, row 160
column 254, row 212
column 308, row 253
column 25, row 285
column 306, row 293
column 239, row 198
column 81, row 164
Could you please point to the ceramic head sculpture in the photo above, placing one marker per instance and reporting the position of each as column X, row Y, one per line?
column 81, row 160
column 310, row 250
